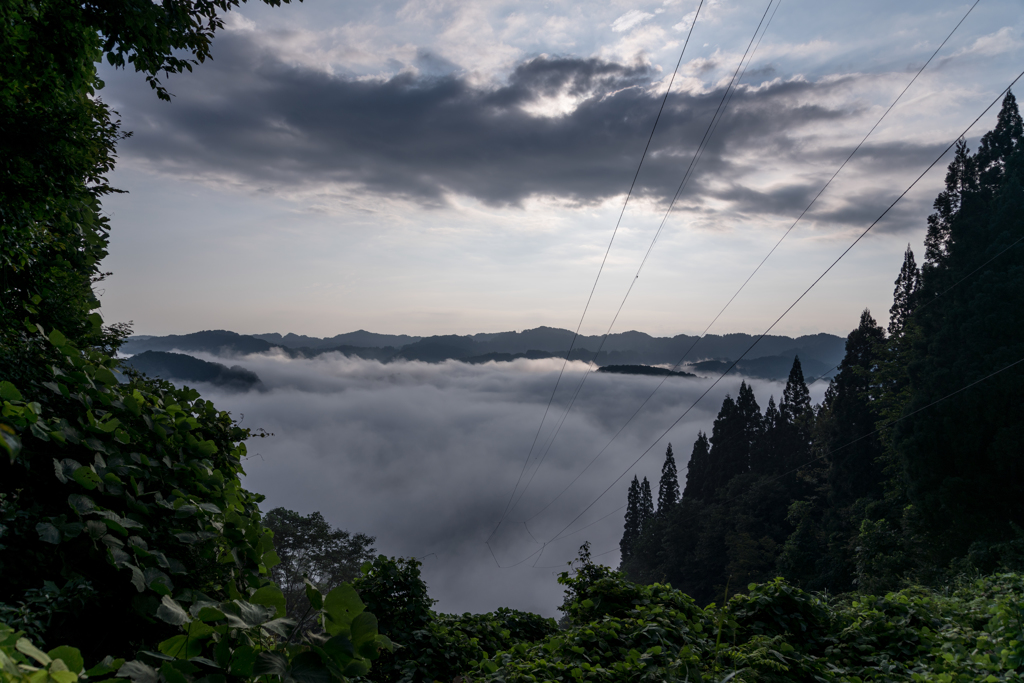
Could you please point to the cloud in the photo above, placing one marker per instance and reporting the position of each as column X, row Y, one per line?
column 630, row 19
column 425, row 456
column 564, row 127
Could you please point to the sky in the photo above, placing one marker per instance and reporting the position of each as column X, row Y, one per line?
column 438, row 167
column 425, row 457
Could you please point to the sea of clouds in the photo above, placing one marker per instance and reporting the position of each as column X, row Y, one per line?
column 425, row 457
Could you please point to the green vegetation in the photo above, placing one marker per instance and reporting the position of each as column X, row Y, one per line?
column 909, row 472
column 186, row 368
column 129, row 549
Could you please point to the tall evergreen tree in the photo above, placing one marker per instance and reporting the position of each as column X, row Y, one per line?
column 961, row 458
column 796, row 398
column 797, row 419
column 698, row 470
column 769, row 454
column 854, row 471
column 750, row 416
column 668, row 485
column 646, row 504
column 631, row 532
column 904, row 296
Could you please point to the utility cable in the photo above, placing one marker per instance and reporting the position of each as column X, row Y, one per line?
column 793, row 305
column 601, row 268
column 884, row 426
column 758, row 268
column 712, row 126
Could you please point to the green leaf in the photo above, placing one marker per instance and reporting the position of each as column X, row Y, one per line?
column 57, row 339
column 341, row 649
column 24, row 646
column 171, row 675
column 171, row 612
column 316, row 600
column 206, row 448
column 71, row 657
column 364, row 629
column 342, row 605
column 48, row 533
column 270, row 596
column 87, row 477
column 270, row 663
column 139, row 672
column 242, row 661
column 81, row 504
column 106, row 376
column 307, row 667
column 181, row 647
column 9, row 392
column 9, row 442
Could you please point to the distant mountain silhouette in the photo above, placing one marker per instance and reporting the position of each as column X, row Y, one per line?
column 178, row 366
column 644, row 370
column 771, row 358
column 220, row 342
column 359, row 338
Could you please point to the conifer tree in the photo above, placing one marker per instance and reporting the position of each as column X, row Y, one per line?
column 631, row 532
column 797, row 419
column 646, row 504
column 796, row 399
column 961, row 458
column 769, row 454
column 668, row 485
column 750, row 416
column 904, row 296
column 697, row 469
column 854, row 470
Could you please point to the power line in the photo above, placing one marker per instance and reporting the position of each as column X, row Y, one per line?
column 603, row 261
column 884, row 426
column 709, row 131
column 791, row 306
column 943, row 292
column 758, row 268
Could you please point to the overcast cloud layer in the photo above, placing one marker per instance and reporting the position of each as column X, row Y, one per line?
column 430, row 166
column 425, row 456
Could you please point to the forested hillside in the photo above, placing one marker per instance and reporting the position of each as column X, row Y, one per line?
column 909, row 471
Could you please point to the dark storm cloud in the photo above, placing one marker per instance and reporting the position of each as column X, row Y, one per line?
column 254, row 118
column 424, row 457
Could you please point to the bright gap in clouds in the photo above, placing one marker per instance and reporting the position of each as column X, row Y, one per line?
column 424, row 457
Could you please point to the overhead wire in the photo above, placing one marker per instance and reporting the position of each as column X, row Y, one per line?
column 708, row 133
column 755, row 271
column 604, row 260
column 791, row 306
column 884, row 426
